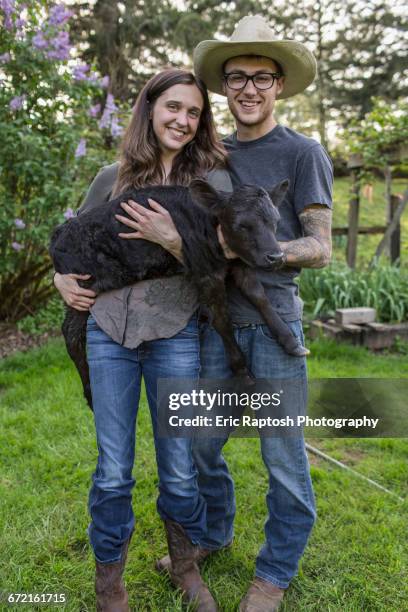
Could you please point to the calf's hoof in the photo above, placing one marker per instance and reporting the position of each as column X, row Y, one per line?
column 299, row 351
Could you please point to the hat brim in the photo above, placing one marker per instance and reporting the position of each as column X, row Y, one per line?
column 297, row 62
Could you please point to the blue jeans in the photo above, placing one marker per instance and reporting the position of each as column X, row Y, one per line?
column 290, row 499
column 116, row 374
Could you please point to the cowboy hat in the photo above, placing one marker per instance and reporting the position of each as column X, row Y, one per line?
column 253, row 36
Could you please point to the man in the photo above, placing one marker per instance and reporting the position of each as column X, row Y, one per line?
column 253, row 70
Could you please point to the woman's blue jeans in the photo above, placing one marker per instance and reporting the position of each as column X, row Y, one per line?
column 116, row 374
column 289, row 499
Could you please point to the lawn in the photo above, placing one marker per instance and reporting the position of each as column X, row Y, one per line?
column 371, row 213
column 357, row 557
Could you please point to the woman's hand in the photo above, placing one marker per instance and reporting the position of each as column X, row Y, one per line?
column 75, row 296
column 154, row 225
column 228, row 253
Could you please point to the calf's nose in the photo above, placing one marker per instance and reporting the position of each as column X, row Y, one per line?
column 274, row 258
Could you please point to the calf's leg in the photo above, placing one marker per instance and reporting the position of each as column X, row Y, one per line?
column 212, row 293
column 247, row 281
column 74, row 332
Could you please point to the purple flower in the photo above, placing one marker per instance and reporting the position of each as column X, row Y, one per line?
column 109, row 110
column 69, row 213
column 94, row 110
column 19, row 223
column 104, row 121
column 116, row 129
column 59, row 15
column 5, row 57
column 8, row 8
column 17, row 246
column 79, row 72
column 39, row 42
column 80, row 151
column 17, row 102
column 105, row 82
column 61, row 47
column 58, row 54
column 20, row 23
column 110, row 103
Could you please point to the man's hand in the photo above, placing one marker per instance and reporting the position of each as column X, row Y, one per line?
column 228, row 253
column 75, row 296
column 154, row 225
column 314, row 249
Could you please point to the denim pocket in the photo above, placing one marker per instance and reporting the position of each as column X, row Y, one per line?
column 295, row 327
column 190, row 330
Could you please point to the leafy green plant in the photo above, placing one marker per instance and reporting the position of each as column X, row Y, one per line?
column 384, row 288
column 382, row 132
column 46, row 319
column 52, row 143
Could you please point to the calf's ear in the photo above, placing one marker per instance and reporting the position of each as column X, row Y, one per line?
column 206, row 196
column 277, row 193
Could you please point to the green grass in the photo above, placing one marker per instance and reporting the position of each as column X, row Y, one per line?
column 370, row 214
column 356, row 559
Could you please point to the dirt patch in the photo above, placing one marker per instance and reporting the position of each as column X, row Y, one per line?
column 314, row 459
column 13, row 340
column 349, row 456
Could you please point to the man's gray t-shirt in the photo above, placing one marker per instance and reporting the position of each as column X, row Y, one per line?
column 281, row 154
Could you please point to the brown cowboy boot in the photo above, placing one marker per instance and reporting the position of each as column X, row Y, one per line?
column 262, row 596
column 164, row 564
column 184, row 571
column 111, row 595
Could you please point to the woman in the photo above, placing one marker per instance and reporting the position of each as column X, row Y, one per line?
column 147, row 330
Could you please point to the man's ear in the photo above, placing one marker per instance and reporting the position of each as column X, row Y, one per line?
column 206, row 196
column 277, row 193
column 279, row 87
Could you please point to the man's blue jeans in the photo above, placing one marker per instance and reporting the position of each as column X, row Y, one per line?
column 290, row 499
column 116, row 374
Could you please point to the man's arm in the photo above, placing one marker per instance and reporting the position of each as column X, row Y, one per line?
column 314, row 249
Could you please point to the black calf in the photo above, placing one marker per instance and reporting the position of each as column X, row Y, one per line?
column 89, row 244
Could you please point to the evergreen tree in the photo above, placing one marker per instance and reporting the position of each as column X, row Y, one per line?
column 128, row 41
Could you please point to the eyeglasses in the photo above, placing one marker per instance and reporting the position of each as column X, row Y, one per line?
column 261, row 80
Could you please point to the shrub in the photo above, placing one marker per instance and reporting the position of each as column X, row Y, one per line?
column 46, row 319
column 382, row 133
column 47, row 123
column 384, row 288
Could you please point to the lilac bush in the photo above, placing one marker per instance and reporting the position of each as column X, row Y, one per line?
column 52, row 145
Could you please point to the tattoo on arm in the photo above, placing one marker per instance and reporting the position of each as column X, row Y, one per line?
column 314, row 249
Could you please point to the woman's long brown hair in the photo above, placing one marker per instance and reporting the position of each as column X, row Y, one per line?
column 140, row 163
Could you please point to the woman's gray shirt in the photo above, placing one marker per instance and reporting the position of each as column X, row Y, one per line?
column 151, row 309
